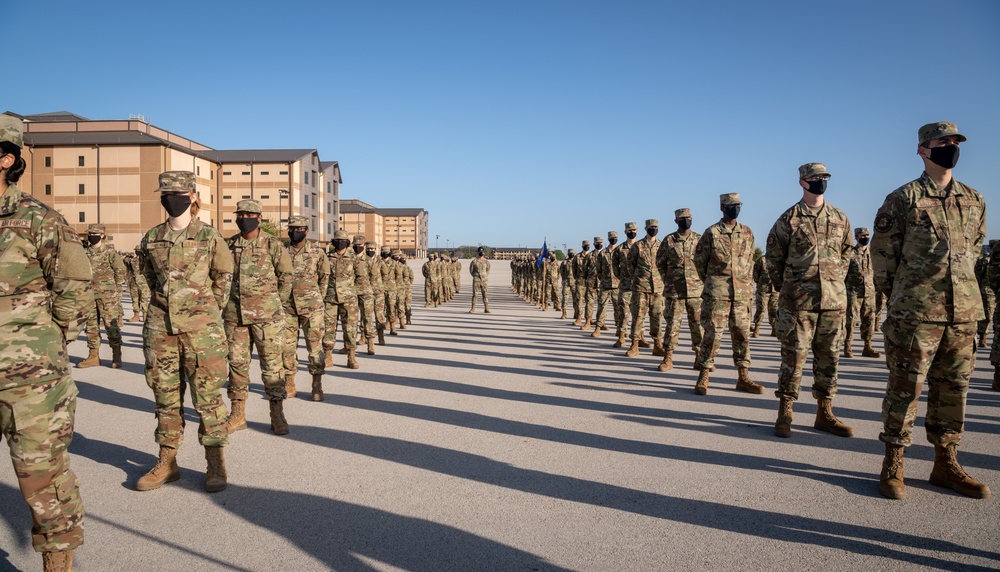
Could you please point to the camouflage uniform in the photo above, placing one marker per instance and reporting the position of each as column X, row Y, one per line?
column 682, row 287
column 989, row 298
column 550, row 285
column 366, row 294
column 860, row 298
column 767, row 297
column 447, row 281
column 140, row 301
column 579, row 266
column 479, row 268
column 408, row 288
column 567, row 286
column 310, row 273
column 401, row 288
column 189, row 272
column 109, row 279
column 607, row 285
column 255, row 314
column 993, row 280
column 589, row 301
column 342, row 297
column 425, row 269
column 374, row 264
column 46, row 293
column 456, row 273
column 647, row 289
column 623, row 271
column 388, row 272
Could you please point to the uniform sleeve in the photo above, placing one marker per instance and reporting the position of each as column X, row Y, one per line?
column 323, row 271
column 663, row 261
column 701, row 254
column 362, row 277
column 221, row 271
column 284, row 271
column 887, row 244
column 846, row 243
column 777, row 251
column 118, row 268
column 67, row 271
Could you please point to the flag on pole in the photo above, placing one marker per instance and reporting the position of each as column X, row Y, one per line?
column 545, row 253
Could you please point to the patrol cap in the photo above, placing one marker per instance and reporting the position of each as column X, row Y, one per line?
column 571, row 251
column 812, row 170
column 12, row 130
column 598, row 240
column 386, row 250
column 96, row 229
column 631, row 226
column 249, row 206
column 298, row 220
column 938, row 130
column 729, row 199
column 359, row 239
column 682, row 213
column 612, row 234
column 138, row 248
column 340, row 235
column 177, row 181
column 651, row 222
column 397, row 252
column 370, row 244
column 586, row 243
column 862, row 231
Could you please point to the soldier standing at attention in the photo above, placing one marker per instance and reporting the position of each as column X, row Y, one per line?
column 141, row 300
column 310, row 272
column 401, row 287
column 189, row 271
column 109, row 278
column 861, row 296
column 724, row 260
column 993, row 279
column 447, row 281
column 133, row 288
column 260, row 299
column 928, row 235
column 342, row 296
column 388, row 272
column 426, row 271
column 366, row 294
column 767, row 297
column 808, row 250
column 590, row 284
column 623, row 271
column 580, row 284
column 479, row 268
column 681, row 287
column 647, row 290
column 607, row 284
column 989, row 298
column 408, row 292
column 45, row 302
column 568, row 294
column 550, row 270
column 373, row 262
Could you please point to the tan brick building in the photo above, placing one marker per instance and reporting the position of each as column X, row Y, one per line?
column 403, row 229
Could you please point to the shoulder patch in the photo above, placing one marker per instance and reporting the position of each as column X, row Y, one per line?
column 883, row 222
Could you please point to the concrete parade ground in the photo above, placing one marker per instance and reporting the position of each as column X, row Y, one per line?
column 516, row 442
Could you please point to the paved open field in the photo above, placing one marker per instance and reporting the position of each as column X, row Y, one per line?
column 514, row 441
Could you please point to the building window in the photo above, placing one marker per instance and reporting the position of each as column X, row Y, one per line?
column 312, row 224
column 328, row 231
column 247, row 197
column 83, row 217
column 282, row 172
column 262, row 173
column 227, row 197
column 329, row 186
column 211, row 175
column 305, row 201
column 197, row 170
column 329, row 208
column 305, row 177
column 48, row 161
column 48, row 189
column 265, row 197
column 80, row 160
column 227, row 172
column 246, row 172
column 227, row 220
column 83, row 188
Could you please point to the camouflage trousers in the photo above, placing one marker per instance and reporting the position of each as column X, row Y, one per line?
column 458, row 284
column 673, row 311
column 550, row 293
column 436, row 292
column 989, row 302
column 390, row 314
column 624, row 308
column 995, row 348
column 579, row 298
column 860, row 310
column 822, row 332
column 37, row 423
column 200, row 358
column 401, row 304
column 447, row 288
column 643, row 302
column 408, row 305
column 142, row 302
column 566, row 296
column 268, row 338
column 879, row 303
column 427, row 292
column 313, row 324
column 715, row 316
column 378, row 304
column 943, row 354
column 346, row 314
column 605, row 297
column 107, row 311
column 589, row 303
column 366, row 313
column 770, row 299
column 480, row 288
column 133, row 291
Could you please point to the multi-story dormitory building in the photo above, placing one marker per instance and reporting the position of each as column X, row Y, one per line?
column 402, row 229
column 106, row 171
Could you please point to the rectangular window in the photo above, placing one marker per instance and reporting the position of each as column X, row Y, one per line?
column 265, row 197
column 83, row 188
column 328, row 231
column 83, row 217
column 48, row 161
column 80, row 160
column 262, row 173
column 48, row 189
column 227, row 172
column 329, row 208
column 227, row 197
column 305, row 177
column 211, row 175
column 246, row 172
column 329, row 186
column 305, row 201
column 227, row 220
column 282, row 172
column 197, row 170
column 247, row 197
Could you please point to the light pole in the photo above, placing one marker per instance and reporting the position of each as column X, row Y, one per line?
column 436, row 238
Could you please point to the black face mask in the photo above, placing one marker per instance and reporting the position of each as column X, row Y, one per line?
column 683, row 224
column 93, row 239
column 586, row 248
column 945, row 157
column 247, row 225
column 651, row 231
column 630, row 234
column 175, row 205
column 341, row 244
column 613, row 241
column 297, row 236
column 370, row 253
column 571, row 256
column 598, row 246
column 385, row 255
column 817, row 187
column 731, row 211
column 863, row 241
column 359, row 248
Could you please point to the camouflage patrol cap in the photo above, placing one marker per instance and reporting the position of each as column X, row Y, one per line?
column 249, row 206
column 729, row 199
column 298, row 220
column 397, row 252
column 341, row 235
column 651, row 222
column 938, row 130
column 138, row 248
column 571, row 251
column 598, row 239
column 370, row 244
column 631, row 226
column 177, row 181
column 612, row 234
column 386, row 250
column 96, row 229
column 585, row 243
column 862, row 231
column 812, row 169
column 682, row 213
column 12, row 130
column 359, row 239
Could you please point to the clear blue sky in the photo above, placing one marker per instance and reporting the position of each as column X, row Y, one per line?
column 514, row 120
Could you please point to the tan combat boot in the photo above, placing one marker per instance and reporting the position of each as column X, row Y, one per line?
column 486, row 307
column 634, row 350
column 93, row 359
column 949, row 474
column 586, row 324
column 668, row 361
column 890, row 481
column 472, row 310
column 982, row 341
column 697, row 358
column 381, row 336
column 869, row 351
column 756, row 331
column 827, row 421
column 744, row 383
column 644, row 344
column 596, row 332
column 701, row 388
column 408, row 321
column 392, row 330
column 165, row 471
column 351, row 362
column 658, row 350
column 783, row 426
column 371, row 346
column 237, row 417
column 61, row 561
column 215, row 477
column 116, row 357
column 343, row 351
column 317, row 388
column 848, row 352
column 621, row 340
column 290, row 389
column 328, row 358
column 577, row 320
column 278, row 423
column 563, row 315
column 402, row 323
column 135, row 317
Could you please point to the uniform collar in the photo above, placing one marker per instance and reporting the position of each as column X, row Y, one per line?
column 192, row 229
column 9, row 200
column 953, row 188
